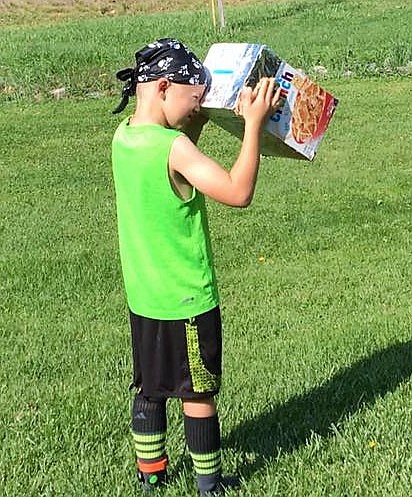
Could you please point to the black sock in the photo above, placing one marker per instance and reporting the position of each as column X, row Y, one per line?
column 149, row 434
column 203, row 440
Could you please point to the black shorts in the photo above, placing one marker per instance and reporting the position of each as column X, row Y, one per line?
column 180, row 358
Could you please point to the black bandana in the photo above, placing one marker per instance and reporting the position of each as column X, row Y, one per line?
column 164, row 58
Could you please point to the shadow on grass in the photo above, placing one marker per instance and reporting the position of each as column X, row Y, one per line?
column 288, row 426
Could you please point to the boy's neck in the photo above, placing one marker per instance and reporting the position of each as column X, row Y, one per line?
column 137, row 119
column 148, row 111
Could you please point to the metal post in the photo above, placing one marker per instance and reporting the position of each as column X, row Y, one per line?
column 221, row 13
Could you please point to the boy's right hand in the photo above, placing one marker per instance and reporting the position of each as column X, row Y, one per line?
column 255, row 106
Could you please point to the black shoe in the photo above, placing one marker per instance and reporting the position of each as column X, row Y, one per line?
column 149, row 482
column 224, row 484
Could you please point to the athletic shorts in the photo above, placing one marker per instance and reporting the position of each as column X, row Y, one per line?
column 180, row 358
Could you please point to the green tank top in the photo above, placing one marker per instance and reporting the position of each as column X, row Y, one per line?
column 164, row 241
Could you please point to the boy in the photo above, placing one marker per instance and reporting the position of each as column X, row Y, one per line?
column 161, row 178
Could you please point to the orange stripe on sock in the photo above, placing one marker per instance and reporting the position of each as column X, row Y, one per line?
column 153, row 467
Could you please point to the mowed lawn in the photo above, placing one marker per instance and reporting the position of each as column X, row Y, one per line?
column 315, row 277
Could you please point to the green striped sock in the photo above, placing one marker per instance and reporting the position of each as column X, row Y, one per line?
column 207, row 464
column 203, row 440
column 149, row 446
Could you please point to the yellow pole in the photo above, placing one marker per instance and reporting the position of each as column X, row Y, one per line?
column 213, row 12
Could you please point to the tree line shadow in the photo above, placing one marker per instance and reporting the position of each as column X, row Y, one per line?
column 286, row 427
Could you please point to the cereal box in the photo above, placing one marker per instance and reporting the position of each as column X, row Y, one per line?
column 297, row 127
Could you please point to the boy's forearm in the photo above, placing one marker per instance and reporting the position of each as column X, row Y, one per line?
column 244, row 171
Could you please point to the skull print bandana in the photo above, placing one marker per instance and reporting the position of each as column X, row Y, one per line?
column 164, row 58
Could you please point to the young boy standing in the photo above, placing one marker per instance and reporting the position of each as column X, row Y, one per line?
column 160, row 179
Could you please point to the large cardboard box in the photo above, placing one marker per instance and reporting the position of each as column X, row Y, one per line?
column 297, row 128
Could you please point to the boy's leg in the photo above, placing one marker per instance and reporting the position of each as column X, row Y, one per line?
column 202, row 433
column 149, row 434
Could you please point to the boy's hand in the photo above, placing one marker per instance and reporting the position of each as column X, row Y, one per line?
column 255, row 106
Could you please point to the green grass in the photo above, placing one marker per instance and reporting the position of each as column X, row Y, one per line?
column 314, row 276
column 348, row 38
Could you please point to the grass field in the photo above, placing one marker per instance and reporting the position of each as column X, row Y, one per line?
column 43, row 11
column 315, row 277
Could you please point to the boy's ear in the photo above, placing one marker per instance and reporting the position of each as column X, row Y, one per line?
column 163, row 84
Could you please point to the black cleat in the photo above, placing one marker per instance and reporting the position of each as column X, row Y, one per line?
column 149, row 482
column 224, row 484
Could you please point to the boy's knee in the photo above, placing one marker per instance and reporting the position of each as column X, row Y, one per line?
column 199, row 408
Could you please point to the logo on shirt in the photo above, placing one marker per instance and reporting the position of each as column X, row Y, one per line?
column 188, row 300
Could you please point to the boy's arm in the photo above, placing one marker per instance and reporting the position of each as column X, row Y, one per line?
column 234, row 187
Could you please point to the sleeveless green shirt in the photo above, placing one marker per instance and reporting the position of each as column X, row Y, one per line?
column 164, row 241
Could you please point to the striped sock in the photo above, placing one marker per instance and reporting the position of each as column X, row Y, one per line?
column 149, row 446
column 203, row 440
column 206, row 464
column 149, row 437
